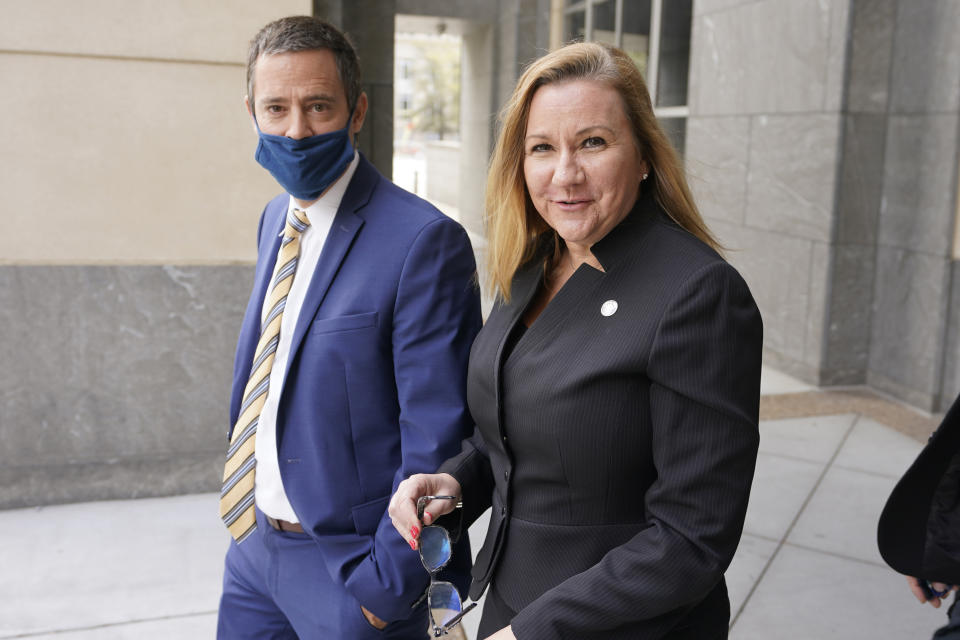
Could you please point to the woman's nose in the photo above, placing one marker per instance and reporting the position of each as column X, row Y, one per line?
column 567, row 171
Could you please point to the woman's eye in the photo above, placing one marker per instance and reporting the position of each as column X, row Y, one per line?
column 543, row 146
column 595, row 141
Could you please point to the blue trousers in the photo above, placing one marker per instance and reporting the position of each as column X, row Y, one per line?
column 276, row 586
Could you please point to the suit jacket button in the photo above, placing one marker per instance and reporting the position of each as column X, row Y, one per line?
column 506, row 475
column 503, row 511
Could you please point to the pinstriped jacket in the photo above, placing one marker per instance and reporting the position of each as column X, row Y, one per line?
column 616, row 450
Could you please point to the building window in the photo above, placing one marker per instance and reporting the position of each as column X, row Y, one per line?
column 656, row 34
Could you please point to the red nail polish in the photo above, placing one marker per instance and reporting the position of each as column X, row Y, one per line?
column 414, row 532
column 428, row 517
column 413, row 545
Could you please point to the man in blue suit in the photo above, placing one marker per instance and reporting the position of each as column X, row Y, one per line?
column 350, row 368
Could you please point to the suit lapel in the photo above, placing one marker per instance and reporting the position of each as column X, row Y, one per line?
column 573, row 299
column 523, row 288
column 346, row 225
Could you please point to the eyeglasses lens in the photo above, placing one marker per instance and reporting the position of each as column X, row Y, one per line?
column 444, row 602
column 435, row 548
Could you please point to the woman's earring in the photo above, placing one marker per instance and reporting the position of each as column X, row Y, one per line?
column 644, row 177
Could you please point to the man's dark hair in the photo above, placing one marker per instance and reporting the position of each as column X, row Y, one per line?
column 307, row 33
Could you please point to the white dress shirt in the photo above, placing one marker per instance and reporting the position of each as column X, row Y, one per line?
column 270, row 496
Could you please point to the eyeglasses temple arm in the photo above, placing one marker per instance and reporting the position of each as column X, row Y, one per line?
column 423, row 500
column 455, row 619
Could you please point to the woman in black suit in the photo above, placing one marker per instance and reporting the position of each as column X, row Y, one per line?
column 615, row 386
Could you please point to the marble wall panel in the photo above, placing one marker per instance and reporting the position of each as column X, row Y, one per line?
column 533, row 30
column 911, row 295
column 329, row 10
column 173, row 29
column 774, row 56
column 114, row 478
column 522, row 35
column 718, row 65
column 767, row 76
column 115, row 365
column 920, row 171
column 871, row 52
column 508, row 63
column 816, row 322
column 849, row 315
column 778, row 270
column 838, row 51
column 861, row 178
column 376, row 137
column 792, row 174
column 950, row 387
column 870, row 157
column 926, row 61
column 370, row 26
column 716, row 158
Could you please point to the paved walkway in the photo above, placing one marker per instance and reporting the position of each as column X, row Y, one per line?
column 807, row 568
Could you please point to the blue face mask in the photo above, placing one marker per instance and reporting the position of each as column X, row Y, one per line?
column 306, row 167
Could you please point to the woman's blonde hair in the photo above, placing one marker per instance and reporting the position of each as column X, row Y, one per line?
column 514, row 227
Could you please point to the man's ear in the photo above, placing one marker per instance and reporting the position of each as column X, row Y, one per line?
column 359, row 114
column 253, row 118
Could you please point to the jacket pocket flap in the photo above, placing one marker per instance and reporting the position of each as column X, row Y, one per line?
column 344, row 323
column 366, row 516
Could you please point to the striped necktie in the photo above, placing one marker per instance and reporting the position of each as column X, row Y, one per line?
column 236, row 496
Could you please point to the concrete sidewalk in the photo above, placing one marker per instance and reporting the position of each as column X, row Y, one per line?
column 807, row 568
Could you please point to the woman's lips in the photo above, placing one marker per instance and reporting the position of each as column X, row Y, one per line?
column 572, row 204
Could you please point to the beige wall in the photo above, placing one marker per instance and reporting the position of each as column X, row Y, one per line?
column 125, row 137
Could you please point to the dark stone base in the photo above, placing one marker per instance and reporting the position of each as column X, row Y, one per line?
column 28, row 486
column 114, row 381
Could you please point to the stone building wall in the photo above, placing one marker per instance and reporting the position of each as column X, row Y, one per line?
column 130, row 206
column 823, row 142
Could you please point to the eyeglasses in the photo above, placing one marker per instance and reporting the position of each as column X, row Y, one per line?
column 443, row 601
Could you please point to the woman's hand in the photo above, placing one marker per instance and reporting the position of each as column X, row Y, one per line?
column 504, row 634
column 403, row 504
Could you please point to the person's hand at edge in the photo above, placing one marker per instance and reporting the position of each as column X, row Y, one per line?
column 403, row 504
column 374, row 621
column 941, row 591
